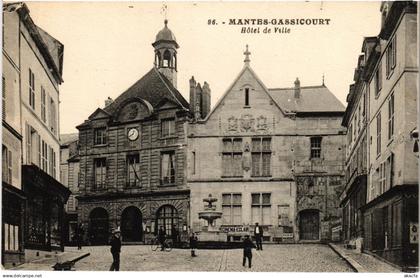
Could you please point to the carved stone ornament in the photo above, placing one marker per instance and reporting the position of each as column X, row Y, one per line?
column 132, row 111
column 262, row 123
column 247, row 122
column 232, row 124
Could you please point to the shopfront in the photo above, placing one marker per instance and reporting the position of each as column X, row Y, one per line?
column 45, row 210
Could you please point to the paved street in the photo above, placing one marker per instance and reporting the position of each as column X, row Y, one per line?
column 285, row 258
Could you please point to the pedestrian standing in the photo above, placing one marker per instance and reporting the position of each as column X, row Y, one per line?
column 175, row 234
column 247, row 245
column 161, row 238
column 79, row 236
column 259, row 233
column 193, row 244
column 115, row 250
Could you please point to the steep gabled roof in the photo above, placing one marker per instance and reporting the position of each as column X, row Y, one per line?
column 152, row 87
column 246, row 67
column 312, row 99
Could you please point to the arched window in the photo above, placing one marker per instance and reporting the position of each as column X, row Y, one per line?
column 158, row 59
column 167, row 217
column 166, row 59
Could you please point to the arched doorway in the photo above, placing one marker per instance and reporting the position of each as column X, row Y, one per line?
column 309, row 224
column 131, row 225
column 167, row 217
column 98, row 227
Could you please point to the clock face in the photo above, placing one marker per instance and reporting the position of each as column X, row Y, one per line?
column 133, row 134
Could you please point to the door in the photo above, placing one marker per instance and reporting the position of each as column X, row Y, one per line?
column 98, row 227
column 131, row 225
column 309, row 225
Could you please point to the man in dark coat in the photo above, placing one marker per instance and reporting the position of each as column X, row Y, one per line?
column 175, row 235
column 193, row 244
column 259, row 233
column 79, row 236
column 115, row 250
column 161, row 238
column 247, row 245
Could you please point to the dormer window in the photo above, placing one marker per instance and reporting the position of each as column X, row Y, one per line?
column 246, row 96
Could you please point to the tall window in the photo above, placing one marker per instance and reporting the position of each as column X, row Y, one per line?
column 54, row 170
column 232, row 157
column 378, row 79
column 43, row 102
column 53, row 117
column 168, row 127
column 246, row 96
column 31, row 89
column 391, row 116
column 133, row 170
column 316, row 147
column 3, row 98
column 167, row 217
column 391, row 58
column 232, row 208
column 100, row 136
column 100, row 173
column 261, row 208
column 44, row 156
column 50, row 160
column 167, row 173
column 261, row 157
column 378, row 134
column 6, row 165
column 194, row 163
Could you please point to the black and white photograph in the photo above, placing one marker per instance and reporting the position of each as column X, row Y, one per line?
column 210, row 137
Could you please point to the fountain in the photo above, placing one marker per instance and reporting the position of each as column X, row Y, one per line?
column 211, row 233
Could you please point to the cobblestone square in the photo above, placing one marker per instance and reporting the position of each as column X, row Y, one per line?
column 274, row 258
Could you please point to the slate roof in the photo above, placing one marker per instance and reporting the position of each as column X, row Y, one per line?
column 152, row 87
column 312, row 99
column 68, row 138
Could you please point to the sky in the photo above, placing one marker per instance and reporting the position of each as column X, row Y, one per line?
column 107, row 46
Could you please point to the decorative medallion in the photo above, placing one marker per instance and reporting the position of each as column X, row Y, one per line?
column 247, row 122
column 132, row 111
column 262, row 123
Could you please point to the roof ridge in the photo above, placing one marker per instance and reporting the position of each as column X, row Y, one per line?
column 302, row 87
column 170, row 90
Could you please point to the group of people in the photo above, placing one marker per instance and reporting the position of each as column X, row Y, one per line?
column 248, row 245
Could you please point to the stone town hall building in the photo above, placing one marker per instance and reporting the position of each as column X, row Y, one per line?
column 133, row 156
column 272, row 156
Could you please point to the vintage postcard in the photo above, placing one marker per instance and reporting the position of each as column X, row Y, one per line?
column 210, row 136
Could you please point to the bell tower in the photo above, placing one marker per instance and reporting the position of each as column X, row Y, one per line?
column 165, row 54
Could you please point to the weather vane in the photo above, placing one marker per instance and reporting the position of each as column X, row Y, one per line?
column 164, row 10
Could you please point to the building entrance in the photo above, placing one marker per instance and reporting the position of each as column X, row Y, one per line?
column 309, row 225
column 131, row 225
column 98, row 227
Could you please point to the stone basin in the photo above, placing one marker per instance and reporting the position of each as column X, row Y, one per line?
column 209, row 215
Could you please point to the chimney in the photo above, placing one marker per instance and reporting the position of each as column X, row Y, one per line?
column 206, row 99
column 192, row 95
column 198, row 101
column 108, row 101
column 297, row 88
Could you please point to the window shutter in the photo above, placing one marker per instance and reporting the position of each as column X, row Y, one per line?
column 10, row 165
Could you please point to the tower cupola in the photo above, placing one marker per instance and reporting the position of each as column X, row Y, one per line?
column 165, row 53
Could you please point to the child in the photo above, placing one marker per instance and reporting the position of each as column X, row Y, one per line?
column 247, row 245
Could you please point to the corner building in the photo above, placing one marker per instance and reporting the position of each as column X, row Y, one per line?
column 272, row 156
column 132, row 157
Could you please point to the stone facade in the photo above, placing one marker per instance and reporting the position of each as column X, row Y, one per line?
column 391, row 213
column 32, row 73
column 257, row 160
column 133, row 158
